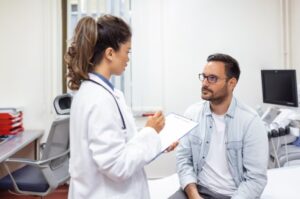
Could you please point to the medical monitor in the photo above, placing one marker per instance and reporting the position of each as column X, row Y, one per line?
column 279, row 87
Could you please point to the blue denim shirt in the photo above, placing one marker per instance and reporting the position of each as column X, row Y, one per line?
column 246, row 144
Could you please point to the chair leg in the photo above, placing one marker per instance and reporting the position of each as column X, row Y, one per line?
column 19, row 194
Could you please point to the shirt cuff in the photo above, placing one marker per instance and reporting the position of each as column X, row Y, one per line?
column 187, row 180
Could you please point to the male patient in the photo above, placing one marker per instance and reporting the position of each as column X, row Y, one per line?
column 226, row 155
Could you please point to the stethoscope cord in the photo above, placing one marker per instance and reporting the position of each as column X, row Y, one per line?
column 122, row 118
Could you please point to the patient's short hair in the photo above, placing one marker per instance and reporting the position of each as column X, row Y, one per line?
column 231, row 65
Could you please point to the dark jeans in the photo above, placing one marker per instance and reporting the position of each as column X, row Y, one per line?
column 204, row 192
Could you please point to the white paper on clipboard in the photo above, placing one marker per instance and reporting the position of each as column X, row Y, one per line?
column 176, row 127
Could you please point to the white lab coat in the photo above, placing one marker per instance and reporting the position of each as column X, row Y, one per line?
column 107, row 162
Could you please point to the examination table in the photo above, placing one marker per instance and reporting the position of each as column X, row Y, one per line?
column 282, row 183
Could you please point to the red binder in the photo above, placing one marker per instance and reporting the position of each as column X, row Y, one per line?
column 4, row 122
column 10, row 121
column 10, row 115
column 12, row 131
column 10, row 126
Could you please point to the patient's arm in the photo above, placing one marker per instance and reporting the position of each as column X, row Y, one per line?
column 255, row 161
column 192, row 191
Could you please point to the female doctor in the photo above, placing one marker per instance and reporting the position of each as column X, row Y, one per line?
column 107, row 153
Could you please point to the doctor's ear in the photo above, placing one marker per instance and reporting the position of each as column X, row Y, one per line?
column 108, row 53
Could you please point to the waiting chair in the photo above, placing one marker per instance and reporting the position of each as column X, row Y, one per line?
column 41, row 177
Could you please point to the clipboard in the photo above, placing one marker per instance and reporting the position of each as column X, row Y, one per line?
column 176, row 127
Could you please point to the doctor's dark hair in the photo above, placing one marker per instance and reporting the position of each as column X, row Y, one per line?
column 231, row 65
column 90, row 40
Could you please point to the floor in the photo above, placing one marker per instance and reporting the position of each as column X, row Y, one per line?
column 60, row 193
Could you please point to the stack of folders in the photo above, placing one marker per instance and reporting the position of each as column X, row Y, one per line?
column 11, row 121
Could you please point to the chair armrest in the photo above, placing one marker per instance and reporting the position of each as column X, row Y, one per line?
column 54, row 157
column 36, row 163
column 22, row 161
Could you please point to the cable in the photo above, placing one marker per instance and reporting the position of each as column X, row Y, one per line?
column 286, row 152
column 275, row 153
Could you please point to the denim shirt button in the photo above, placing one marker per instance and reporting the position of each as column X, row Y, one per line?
column 203, row 157
column 207, row 142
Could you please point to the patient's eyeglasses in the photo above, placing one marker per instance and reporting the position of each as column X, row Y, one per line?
column 210, row 78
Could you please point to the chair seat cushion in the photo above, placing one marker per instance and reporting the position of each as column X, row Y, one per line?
column 28, row 178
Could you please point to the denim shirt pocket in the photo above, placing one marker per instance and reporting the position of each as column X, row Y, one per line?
column 235, row 158
column 196, row 143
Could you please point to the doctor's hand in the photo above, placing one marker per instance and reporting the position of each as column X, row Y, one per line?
column 172, row 146
column 157, row 121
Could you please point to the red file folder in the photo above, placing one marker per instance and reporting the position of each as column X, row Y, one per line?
column 12, row 131
column 5, row 122
column 10, row 121
column 10, row 126
column 10, row 113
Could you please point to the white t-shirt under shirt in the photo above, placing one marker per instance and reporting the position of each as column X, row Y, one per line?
column 215, row 174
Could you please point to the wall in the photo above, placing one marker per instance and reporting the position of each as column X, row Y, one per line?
column 147, row 55
column 30, row 58
column 174, row 37
column 242, row 29
column 295, row 36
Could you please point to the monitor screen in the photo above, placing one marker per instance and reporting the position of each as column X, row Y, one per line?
column 279, row 87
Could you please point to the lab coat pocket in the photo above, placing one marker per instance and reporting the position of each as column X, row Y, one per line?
column 196, row 143
column 235, row 156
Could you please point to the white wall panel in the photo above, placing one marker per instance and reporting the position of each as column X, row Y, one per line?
column 172, row 39
column 30, row 58
column 295, row 36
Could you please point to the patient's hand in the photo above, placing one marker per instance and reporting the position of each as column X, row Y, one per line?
column 192, row 191
column 172, row 146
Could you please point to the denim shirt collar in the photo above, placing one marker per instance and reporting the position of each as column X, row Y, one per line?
column 230, row 111
column 104, row 79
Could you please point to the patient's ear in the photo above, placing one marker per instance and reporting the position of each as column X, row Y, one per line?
column 232, row 83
